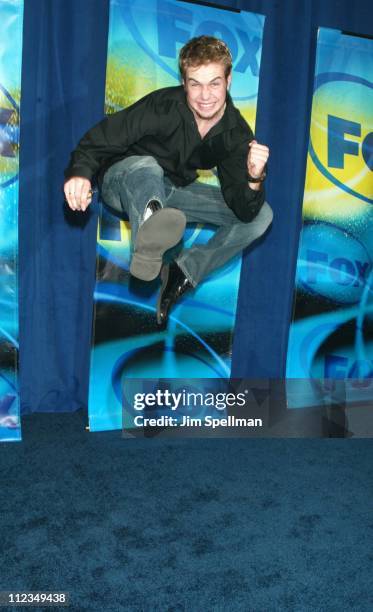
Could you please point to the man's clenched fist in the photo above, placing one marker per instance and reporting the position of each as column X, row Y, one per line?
column 257, row 159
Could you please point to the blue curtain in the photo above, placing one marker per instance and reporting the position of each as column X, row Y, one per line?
column 63, row 80
column 284, row 108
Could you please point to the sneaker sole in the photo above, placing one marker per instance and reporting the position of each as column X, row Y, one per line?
column 163, row 230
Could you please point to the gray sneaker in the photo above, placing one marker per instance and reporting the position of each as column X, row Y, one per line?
column 161, row 231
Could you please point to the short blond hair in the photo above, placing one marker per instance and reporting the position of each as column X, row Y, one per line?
column 203, row 50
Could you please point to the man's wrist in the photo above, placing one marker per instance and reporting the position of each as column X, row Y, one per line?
column 257, row 179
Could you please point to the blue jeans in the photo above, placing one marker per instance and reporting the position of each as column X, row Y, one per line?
column 130, row 184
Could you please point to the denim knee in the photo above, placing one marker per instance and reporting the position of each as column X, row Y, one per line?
column 257, row 227
column 266, row 214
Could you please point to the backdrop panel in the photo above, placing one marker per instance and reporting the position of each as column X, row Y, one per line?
column 11, row 16
column 144, row 40
column 331, row 335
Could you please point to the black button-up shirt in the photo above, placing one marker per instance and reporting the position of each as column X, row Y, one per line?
column 162, row 125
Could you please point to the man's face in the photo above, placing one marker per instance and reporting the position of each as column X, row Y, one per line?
column 206, row 90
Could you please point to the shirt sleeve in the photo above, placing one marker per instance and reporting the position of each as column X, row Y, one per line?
column 112, row 137
column 234, row 181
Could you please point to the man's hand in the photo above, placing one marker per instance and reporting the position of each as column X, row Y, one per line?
column 257, row 159
column 78, row 193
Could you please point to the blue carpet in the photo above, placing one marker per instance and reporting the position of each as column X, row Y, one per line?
column 187, row 525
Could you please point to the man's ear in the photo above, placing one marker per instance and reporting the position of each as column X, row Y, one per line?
column 229, row 80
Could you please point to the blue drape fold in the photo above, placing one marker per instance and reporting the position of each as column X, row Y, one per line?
column 63, row 82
